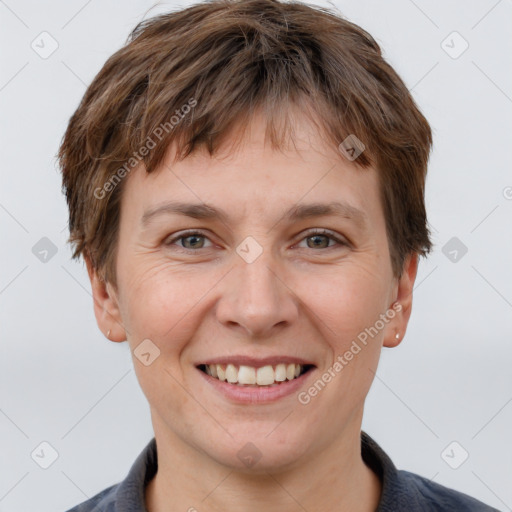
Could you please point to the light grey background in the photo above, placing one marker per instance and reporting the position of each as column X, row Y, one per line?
column 450, row 380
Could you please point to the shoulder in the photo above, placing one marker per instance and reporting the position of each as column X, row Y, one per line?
column 102, row 502
column 403, row 491
column 432, row 496
column 127, row 495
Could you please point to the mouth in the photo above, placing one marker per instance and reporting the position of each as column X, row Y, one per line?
column 248, row 380
column 243, row 375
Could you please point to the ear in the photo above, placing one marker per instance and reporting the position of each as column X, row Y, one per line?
column 403, row 302
column 106, row 305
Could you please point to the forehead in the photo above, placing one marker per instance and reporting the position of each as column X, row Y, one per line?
column 253, row 178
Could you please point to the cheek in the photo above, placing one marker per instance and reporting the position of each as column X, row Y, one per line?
column 346, row 301
column 163, row 302
column 161, row 384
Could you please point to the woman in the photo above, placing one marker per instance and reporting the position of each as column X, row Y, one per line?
column 246, row 183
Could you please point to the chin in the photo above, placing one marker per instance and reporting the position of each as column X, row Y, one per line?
column 258, row 452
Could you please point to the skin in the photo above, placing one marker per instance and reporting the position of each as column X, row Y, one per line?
column 296, row 298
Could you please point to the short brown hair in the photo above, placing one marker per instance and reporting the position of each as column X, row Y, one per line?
column 227, row 58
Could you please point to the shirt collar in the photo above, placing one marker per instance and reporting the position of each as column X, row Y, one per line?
column 379, row 462
column 130, row 493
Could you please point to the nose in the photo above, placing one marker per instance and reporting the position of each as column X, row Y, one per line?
column 256, row 298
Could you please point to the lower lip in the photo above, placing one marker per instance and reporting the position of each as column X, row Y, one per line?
column 253, row 394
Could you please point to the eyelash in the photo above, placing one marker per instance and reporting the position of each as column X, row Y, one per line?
column 309, row 234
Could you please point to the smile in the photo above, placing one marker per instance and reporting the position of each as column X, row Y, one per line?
column 244, row 375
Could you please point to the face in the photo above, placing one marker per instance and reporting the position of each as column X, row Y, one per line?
column 269, row 281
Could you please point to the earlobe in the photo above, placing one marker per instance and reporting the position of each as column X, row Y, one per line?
column 396, row 341
column 403, row 304
column 106, row 307
column 394, row 335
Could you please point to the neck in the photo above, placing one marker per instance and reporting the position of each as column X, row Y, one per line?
column 335, row 479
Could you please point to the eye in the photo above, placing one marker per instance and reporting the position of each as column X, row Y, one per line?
column 189, row 240
column 320, row 239
column 315, row 239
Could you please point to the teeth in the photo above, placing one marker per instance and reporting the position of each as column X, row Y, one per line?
column 248, row 375
column 221, row 373
column 231, row 374
column 280, row 372
column 264, row 376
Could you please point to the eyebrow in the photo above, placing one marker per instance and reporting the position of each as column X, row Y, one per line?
column 295, row 213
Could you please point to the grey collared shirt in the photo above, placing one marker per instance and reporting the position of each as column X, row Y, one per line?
column 402, row 491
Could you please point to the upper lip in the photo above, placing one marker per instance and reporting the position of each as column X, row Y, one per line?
column 256, row 362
